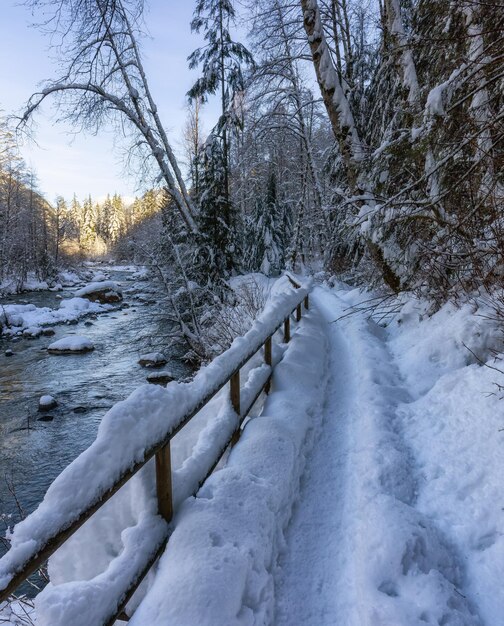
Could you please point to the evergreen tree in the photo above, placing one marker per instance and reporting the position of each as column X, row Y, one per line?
column 268, row 232
column 221, row 61
column 116, row 220
column 60, row 225
column 217, row 253
column 75, row 218
column 87, row 225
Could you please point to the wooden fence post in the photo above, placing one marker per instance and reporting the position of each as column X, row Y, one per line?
column 234, row 391
column 268, row 361
column 164, row 483
column 287, row 329
column 307, row 302
column 298, row 313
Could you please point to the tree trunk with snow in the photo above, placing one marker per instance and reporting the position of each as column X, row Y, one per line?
column 333, row 93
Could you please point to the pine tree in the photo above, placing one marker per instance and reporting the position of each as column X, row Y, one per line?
column 116, row 220
column 87, row 225
column 75, row 218
column 103, row 219
column 269, row 232
column 221, row 61
column 217, row 253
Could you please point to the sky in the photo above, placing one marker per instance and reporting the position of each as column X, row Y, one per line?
column 85, row 164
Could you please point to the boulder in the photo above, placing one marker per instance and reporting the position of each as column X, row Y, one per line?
column 160, row 378
column 46, row 403
column 45, row 418
column 9, row 352
column 105, row 292
column 70, row 345
column 32, row 332
column 153, row 359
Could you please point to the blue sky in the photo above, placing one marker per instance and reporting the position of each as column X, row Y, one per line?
column 85, row 164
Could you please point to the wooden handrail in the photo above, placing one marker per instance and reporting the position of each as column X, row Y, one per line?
column 161, row 450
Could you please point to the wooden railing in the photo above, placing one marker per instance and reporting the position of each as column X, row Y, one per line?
column 161, row 451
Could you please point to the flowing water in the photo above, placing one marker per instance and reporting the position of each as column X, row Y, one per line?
column 32, row 452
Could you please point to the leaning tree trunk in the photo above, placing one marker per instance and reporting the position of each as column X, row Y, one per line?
column 342, row 121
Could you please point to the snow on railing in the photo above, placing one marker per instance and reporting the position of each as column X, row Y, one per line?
column 151, row 416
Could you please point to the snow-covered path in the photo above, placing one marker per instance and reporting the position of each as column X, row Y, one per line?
column 360, row 551
column 307, row 591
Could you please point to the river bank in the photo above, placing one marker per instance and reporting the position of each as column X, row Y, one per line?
column 33, row 452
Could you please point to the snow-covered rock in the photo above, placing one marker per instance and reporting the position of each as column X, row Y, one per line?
column 46, row 403
column 160, row 378
column 68, row 278
column 73, row 343
column 106, row 292
column 152, row 359
column 18, row 317
column 32, row 332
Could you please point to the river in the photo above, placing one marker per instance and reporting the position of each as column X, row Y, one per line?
column 84, row 385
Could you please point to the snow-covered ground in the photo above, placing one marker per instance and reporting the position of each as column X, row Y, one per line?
column 399, row 520
column 368, row 493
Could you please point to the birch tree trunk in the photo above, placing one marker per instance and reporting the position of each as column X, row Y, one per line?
column 333, row 94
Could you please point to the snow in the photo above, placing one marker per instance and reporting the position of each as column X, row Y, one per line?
column 450, row 339
column 434, row 105
column 153, row 358
column 233, row 529
column 32, row 283
column 72, row 343
column 102, row 285
column 68, row 278
column 27, row 316
column 377, row 501
column 46, row 402
column 20, row 612
column 134, row 425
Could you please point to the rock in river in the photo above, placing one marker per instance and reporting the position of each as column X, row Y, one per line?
column 45, row 418
column 32, row 333
column 70, row 345
column 160, row 378
column 46, row 403
column 153, row 359
column 105, row 292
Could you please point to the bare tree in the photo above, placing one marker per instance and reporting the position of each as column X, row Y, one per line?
column 193, row 142
column 105, row 80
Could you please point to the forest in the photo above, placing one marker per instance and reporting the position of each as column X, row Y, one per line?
column 363, row 137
